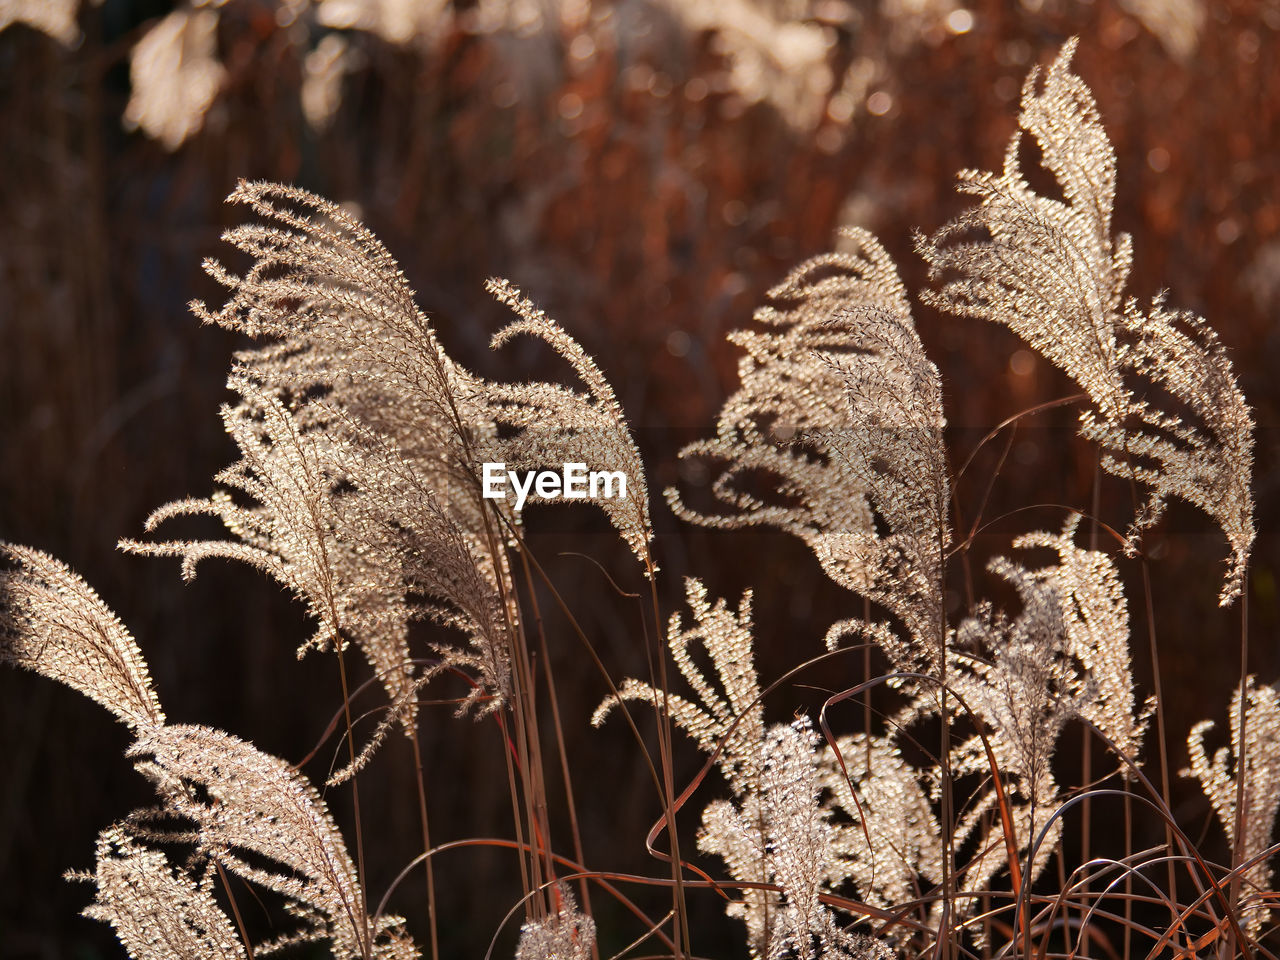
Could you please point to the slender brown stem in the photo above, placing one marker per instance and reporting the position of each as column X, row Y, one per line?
column 1166, row 792
column 615, row 694
column 367, row 940
column 680, row 929
column 514, row 790
column 664, row 789
column 1061, row 857
column 426, row 842
column 526, row 758
column 1086, row 742
column 522, row 712
column 948, row 827
column 1128, row 877
column 584, row 889
column 235, row 909
column 1030, row 411
column 866, row 700
column 1242, row 766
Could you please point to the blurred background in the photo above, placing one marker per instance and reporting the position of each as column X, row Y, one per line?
column 645, row 170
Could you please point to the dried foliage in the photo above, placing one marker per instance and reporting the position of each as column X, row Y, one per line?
column 52, row 622
column 358, row 487
column 1210, row 466
column 357, row 436
column 794, row 821
column 240, row 800
column 893, row 444
column 250, row 803
column 1253, row 758
column 782, row 54
column 1052, row 272
column 158, row 912
column 567, row 934
column 779, row 833
column 57, row 18
column 176, row 75
column 1095, row 618
column 892, row 846
column 786, row 392
column 555, row 425
column 732, row 722
column 1177, row 23
column 843, row 373
column 1065, row 655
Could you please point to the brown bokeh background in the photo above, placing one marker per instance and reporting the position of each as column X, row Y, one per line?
column 644, row 193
